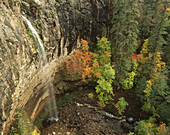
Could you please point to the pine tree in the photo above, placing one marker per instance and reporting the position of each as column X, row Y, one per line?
column 156, row 39
column 146, row 20
column 155, row 72
column 124, row 30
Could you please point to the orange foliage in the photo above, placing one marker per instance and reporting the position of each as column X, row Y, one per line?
column 84, row 45
column 96, row 70
column 121, row 50
column 162, row 129
column 80, row 61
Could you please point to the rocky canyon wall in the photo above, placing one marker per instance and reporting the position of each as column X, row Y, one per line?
column 60, row 24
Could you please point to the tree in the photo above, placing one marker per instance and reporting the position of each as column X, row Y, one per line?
column 106, row 71
column 156, row 39
column 146, row 20
column 153, row 71
column 124, row 30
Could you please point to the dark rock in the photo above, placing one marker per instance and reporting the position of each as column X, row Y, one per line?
column 127, row 126
column 47, row 122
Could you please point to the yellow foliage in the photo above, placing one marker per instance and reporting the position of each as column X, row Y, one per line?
column 101, row 104
column 96, row 70
column 159, row 63
column 150, row 55
column 35, row 132
column 145, row 47
column 133, row 73
column 155, row 73
column 150, row 82
column 131, row 83
column 91, row 95
column 84, row 45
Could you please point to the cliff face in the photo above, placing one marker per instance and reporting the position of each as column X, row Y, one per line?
column 60, row 24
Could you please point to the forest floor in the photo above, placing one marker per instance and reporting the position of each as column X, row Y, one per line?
column 76, row 118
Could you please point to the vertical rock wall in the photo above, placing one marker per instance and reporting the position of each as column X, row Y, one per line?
column 60, row 24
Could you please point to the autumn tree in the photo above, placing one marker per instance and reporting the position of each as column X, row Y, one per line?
column 107, row 73
column 80, row 62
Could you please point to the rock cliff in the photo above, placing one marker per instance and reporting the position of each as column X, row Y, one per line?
column 60, row 24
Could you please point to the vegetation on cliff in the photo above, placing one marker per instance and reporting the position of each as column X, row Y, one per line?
column 23, row 125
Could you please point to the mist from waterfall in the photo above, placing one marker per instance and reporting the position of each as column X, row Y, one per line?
column 43, row 58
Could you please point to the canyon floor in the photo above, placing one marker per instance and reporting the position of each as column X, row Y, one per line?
column 78, row 115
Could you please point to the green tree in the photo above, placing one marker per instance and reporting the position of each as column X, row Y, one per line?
column 103, row 51
column 153, row 70
column 156, row 39
column 104, row 87
column 146, row 20
column 124, row 30
column 106, row 71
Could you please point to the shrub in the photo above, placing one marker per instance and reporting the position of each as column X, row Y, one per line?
column 121, row 105
column 91, row 95
column 162, row 129
column 148, row 127
column 22, row 125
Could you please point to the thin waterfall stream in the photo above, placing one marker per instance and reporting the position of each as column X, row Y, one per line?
column 53, row 114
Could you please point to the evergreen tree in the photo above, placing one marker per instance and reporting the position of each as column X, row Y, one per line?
column 155, row 73
column 156, row 39
column 156, row 42
column 124, row 30
column 146, row 20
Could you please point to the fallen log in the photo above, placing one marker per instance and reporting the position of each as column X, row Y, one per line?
column 101, row 112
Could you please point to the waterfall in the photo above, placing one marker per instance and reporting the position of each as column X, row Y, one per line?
column 41, row 51
column 35, row 34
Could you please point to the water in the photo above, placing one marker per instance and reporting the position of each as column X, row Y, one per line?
column 38, row 2
column 35, row 34
column 41, row 51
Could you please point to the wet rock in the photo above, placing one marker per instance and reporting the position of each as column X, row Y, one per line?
column 47, row 122
column 131, row 119
column 127, row 126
